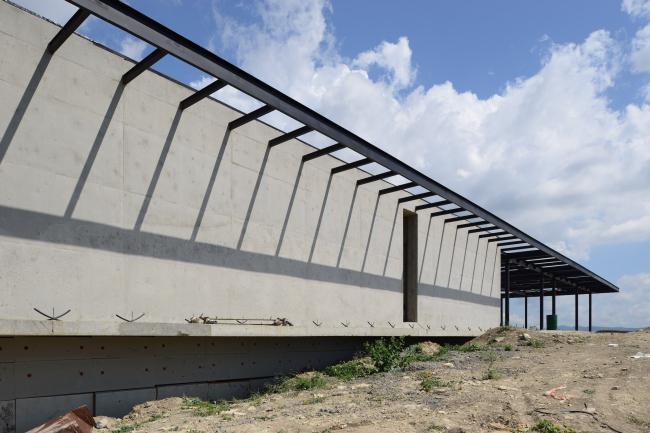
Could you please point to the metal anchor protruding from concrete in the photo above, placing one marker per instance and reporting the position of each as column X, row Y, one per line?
column 317, row 324
column 132, row 319
column 391, row 325
column 346, row 324
column 53, row 316
column 372, row 325
column 412, row 326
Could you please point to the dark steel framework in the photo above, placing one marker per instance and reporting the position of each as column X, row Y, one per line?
column 524, row 267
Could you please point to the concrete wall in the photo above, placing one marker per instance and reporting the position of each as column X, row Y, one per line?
column 41, row 378
column 113, row 201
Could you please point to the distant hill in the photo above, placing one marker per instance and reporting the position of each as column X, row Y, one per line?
column 595, row 328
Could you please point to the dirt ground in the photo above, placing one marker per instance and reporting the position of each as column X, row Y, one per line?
column 607, row 386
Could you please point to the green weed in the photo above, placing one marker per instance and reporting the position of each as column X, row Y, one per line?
column 635, row 420
column 508, row 347
column 349, row 370
column 429, row 384
column 589, row 391
column 435, row 427
column 204, row 408
column 297, row 383
column 385, row 353
column 537, row 344
column 547, row 426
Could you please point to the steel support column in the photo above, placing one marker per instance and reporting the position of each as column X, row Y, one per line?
column 554, row 294
column 576, row 308
column 541, row 301
column 73, row 24
column 507, row 292
column 526, row 310
column 589, row 311
column 144, row 64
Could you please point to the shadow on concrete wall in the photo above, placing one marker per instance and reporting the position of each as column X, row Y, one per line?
column 14, row 123
column 66, row 230
column 94, row 150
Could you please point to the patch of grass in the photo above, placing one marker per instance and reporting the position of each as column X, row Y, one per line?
column 349, row 370
column 472, row 347
column 429, row 384
column 505, row 328
column 589, row 391
column 175, row 428
column 297, row 383
column 490, row 359
column 204, row 408
column 537, row 344
column 547, row 426
column 435, row 427
column 314, row 400
column 129, row 428
column 255, row 399
column 508, row 347
column 196, row 431
column 637, row 421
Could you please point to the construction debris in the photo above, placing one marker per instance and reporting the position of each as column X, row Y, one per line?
column 79, row 420
column 205, row 320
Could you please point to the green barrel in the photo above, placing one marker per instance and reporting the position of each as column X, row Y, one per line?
column 551, row 322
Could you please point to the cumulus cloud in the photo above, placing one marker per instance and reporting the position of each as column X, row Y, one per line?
column 547, row 154
column 58, row 11
column 133, row 48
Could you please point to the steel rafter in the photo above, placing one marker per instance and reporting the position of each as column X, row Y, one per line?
column 154, row 33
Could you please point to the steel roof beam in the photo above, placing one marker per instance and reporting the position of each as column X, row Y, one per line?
column 501, row 236
column 434, row 204
column 416, row 197
column 255, row 114
column 397, row 188
column 143, row 65
column 202, row 94
column 323, row 152
column 482, row 229
column 376, row 177
column 290, row 135
column 480, row 223
column 524, row 247
column 73, row 24
column 351, row 165
column 507, row 242
column 446, row 212
column 461, row 218
column 154, row 33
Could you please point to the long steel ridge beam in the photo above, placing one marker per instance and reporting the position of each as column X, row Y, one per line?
column 154, row 33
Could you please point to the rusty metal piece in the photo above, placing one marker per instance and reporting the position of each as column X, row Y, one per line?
column 79, row 420
column 132, row 319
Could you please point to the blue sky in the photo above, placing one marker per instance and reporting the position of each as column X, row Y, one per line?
column 538, row 111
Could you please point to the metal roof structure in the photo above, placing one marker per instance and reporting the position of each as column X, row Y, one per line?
column 529, row 268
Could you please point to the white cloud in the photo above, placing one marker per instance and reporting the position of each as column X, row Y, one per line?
column 630, row 307
column 548, row 154
column 133, row 48
column 637, row 8
column 58, row 11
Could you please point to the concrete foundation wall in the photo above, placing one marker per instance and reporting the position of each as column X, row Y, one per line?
column 41, row 378
column 112, row 201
